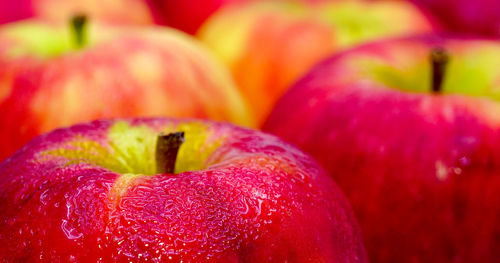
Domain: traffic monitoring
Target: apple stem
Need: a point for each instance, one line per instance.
(439, 58)
(167, 147)
(78, 23)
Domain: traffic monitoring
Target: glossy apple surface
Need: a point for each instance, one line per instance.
(134, 12)
(470, 17)
(92, 193)
(269, 45)
(421, 169)
(48, 81)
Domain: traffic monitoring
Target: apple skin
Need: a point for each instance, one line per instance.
(189, 15)
(421, 170)
(17, 10)
(90, 193)
(269, 45)
(186, 15)
(122, 72)
(466, 17)
(135, 12)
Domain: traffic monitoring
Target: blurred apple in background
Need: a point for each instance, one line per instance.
(189, 15)
(410, 130)
(132, 191)
(469, 17)
(186, 15)
(269, 45)
(112, 11)
(56, 75)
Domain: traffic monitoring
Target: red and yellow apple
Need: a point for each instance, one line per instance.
(53, 76)
(269, 45)
(124, 191)
(471, 17)
(189, 15)
(135, 12)
(413, 139)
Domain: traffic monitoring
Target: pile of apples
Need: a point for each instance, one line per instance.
(250, 131)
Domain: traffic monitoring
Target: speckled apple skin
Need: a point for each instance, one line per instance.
(256, 199)
(123, 72)
(421, 171)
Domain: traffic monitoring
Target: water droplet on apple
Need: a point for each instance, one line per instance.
(43, 197)
(70, 232)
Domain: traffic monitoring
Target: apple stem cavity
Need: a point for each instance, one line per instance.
(78, 23)
(167, 147)
(439, 59)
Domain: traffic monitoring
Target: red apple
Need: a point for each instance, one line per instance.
(471, 17)
(112, 11)
(123, 191)
(53, 76)
(416, 150)
(270, 45)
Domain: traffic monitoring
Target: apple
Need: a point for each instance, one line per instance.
(55, 75)
(470, 17)
(186, 15)
(167, 190)
(410, 130)
(269, 45)
(135, 12)
(189, 15)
